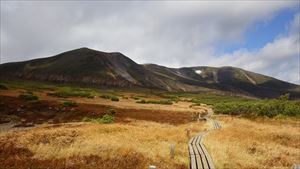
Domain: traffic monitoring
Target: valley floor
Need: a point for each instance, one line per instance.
(244, 143)
(140, 136)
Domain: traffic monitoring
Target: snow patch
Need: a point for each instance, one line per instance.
(198, 71)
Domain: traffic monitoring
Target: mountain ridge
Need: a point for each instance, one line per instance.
(86, 66)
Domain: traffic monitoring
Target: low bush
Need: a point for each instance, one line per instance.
(104, 96)
(106, 119)
(111, 97)
(269, 108)
(3, 87)
(71, 92)
(70, 104)
(114, 98)
(111, 112)
(28, 97)
(136, 98)
(165, 102)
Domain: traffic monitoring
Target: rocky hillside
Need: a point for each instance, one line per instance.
(94, 68)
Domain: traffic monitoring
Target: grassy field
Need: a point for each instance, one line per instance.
(244, 143)
(136, 144)
(78, 127)
(280, 107)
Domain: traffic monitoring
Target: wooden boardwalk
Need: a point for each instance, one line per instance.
(199, 157)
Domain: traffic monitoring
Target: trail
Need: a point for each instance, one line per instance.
(199, 157)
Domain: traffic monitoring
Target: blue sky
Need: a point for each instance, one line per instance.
(263, 32)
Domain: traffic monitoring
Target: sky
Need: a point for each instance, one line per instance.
(259, 36)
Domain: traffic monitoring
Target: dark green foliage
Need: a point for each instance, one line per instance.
(3, 87)
(111, 112)
(269, 108)
(106, 119)
(104, 96)
(232, 105)
(28, 97)
(111, 97)
(114, 98)
(66, 92)
(165, 102)
(28, 85)
(70, 104)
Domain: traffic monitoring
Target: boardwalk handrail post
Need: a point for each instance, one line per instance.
(152, 167)
(188, 133)
(172, 151)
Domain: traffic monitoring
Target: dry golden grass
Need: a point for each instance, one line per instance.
(123, 103)
(147, 142)
(243, 143)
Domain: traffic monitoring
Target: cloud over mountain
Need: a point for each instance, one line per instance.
(168, 33)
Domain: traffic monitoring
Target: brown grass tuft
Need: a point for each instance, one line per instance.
(136, 144)
(243, 143)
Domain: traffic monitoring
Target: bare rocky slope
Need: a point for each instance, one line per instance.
(89, 67)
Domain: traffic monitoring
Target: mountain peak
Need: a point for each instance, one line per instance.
(91, 67)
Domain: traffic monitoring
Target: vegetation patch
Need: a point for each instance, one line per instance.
(165, 102)
(111, 112)
(28, 96)
(3, 87)
(280, 107)
(70, 104)
(66, 92)
(135, 98)
(111, 97)
(106, 119)
(269, 108)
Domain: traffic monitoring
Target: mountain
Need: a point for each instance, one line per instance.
(94, 68)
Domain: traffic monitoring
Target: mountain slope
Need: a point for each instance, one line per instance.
(94, 68)
(82, 65)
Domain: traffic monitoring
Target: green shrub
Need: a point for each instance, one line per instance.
(165, 102)
(70, 104)
(111, 111)
(3, 87)
(87, 119)
(28, 97)
(105, 96)
(106, 119)
(111, 97)
(268, 108)
(114, 98)
(66, 92)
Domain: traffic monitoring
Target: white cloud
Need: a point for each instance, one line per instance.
(279, 58)
(168, 33)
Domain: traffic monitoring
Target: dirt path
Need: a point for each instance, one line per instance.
(199, 156)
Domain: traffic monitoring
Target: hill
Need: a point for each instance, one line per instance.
(89, 67)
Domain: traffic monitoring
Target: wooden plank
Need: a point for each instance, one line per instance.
(191, 140)
(202, 154)
(208, 157)
(198, 156)
(191, 152)
(193, 164)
